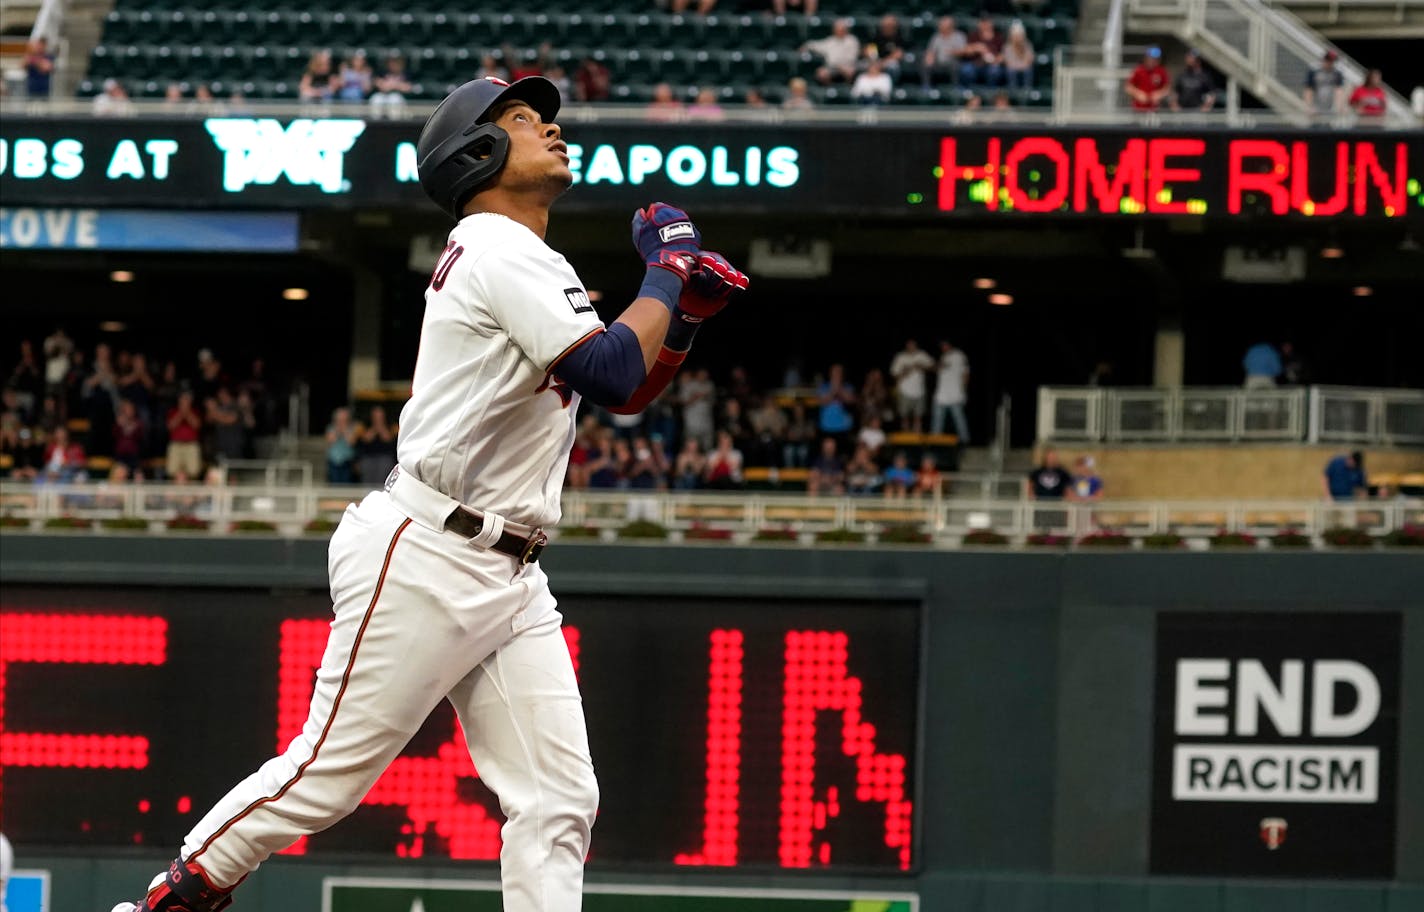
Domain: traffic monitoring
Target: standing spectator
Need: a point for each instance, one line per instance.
(983, 58)
(231, 426)
(1293, 370)
(909, 368)
(26, 379)
(64, 459)
(210, 375)
(769, 425)
(184, 459)
(873, 86)
(1368, 101)
(875, 398)
(647, 470)
(1149, 83)
(862, 474)
(886, 44)
(264, 408)
(592, 81)
(129, 437)
(353, 82)
(1324, 91)
(798, 97)
(1262, 364)
(942, 55)
(724, 465)
(695, 392)
(836, 397)
(690, 466)
(165, 399)
(796, 451)
(341, 448)
(57, 347)
(1193, 89)
(899, 477)
(137, 386)
(100, 392)
(1018, 57)
(1049, 481)
(318, 83)
(392, 86)
(39, 68)
(113, 101)
(73, 398)
(735, 423)
(838, 52)
(951, 392)
(1345, 476)
(376, 448)
(603, 468)
(1087, 485)
(927, 478)
(706, 108)
(665, 106)
(827, 475)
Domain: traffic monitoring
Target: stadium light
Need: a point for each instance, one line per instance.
(1332, 252)
(295, 294)
(1363, 291)
(112, 326)
(985, 284)
(1001, 299)
(121, 275)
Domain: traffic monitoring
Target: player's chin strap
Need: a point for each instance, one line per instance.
(185, 889)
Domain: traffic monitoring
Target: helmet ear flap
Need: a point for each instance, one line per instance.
(474, 164)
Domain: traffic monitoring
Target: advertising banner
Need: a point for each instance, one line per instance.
(139, 229)
(1275, 747)
(930, 172)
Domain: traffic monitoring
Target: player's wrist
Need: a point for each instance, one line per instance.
(663, 283)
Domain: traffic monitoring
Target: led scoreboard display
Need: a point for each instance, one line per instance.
(985, 171)
(760, 733)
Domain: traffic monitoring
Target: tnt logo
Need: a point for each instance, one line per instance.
(306, 151)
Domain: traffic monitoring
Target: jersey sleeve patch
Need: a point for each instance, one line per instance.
(578, 300)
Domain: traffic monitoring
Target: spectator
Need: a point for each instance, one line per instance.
(64, 459)
(927, 478)
(871, 436)
(861, 473)
(490, 68)
(39, 68)
(798, 96)
(755, 99)
(341, 448)
(17, 439)
(873, 86)
(1368, 101)
(1087, 486)
(318, 83)
(113, 101)
(529, 63)
(73, 399)
(353, 82)
(57, 347)
(603, 469)
(26, 379)
(690, 466)
(646, 469)
(909, 368)
(263, 406)
(1324, 91)
(173, 95)
(695, 392)
(838, 51)
(100, 393)
(983, 58)
(1149, 83)
(899, 477)
(706, 108)
(392, 86)
(1193, 89)
(1049, 481)
(734, 423)
(184, 459)
(886, 44)
(560, 78)
(782, 7)
(231, 425)
(137, 386)
(665, 107)
(1293, 370)
(210, 375)
(1002, 101)
(942, 55)
(836, 397)
(376, 448)
(203, 98)
(875, 398)
(1262, 364)
(579, 454)
(1345, 475)
(724, 464)
(1101, 374)
(769, 425)
(827, 475)
(1018, 57)
(703, 6)
(592, 81)
(796, 451)
(951, 392)
(129, 437)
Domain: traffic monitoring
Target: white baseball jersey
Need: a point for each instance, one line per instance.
(485, 423)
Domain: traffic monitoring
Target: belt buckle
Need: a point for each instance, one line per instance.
(534, 548)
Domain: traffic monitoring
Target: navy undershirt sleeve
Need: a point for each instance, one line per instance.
(606, 368)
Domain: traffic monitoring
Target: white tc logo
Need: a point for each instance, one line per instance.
(307, 151)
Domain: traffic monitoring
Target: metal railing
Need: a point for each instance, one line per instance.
(1317, 414)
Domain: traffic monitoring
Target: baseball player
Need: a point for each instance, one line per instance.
(435, 580)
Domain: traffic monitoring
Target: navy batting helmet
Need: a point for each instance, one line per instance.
(458, 150)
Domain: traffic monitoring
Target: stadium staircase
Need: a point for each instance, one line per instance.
(262, 51)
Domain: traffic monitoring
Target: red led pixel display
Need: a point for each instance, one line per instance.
(726, 734)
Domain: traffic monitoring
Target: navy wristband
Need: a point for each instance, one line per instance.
(680, 332)
(662, 284)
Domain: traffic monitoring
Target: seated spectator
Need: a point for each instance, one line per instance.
(1149, 84)
(354, 79)
(1002, 101)
(665, 107)
(706, 107)
(173, 95)
(724, 464)
(796, 451)
(886, 44)
(391, 86)
(871, 436)
(1324, 91)
(113, 101)
(592, 81)
(927, 478)
(838, 51)
(703, 6)
(39, 68)
(862, 474)
(203, 97)
(942, 55)
(129, 436)
(1262, 365)
(64, 459)
(490, 67)
(18, 439)
(341, 448)
(647, 468)
(318, 83)
(1087, 486)
(1368, 101)
(184, 459)
(376, 448)
(1345, 476)
(754, 99)
(1193, 89)
(1018, 58)
(797, 97)
(1049, 481)
(690, 466)
(873, 86)
(827, 475)
(983, 58)
(899, 478)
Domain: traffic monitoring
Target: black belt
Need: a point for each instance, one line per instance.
(527, 550)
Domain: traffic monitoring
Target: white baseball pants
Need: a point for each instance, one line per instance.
(423, 615)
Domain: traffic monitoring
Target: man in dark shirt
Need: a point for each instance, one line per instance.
(1344, 475)
(1049, 481)
(1193, 89)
